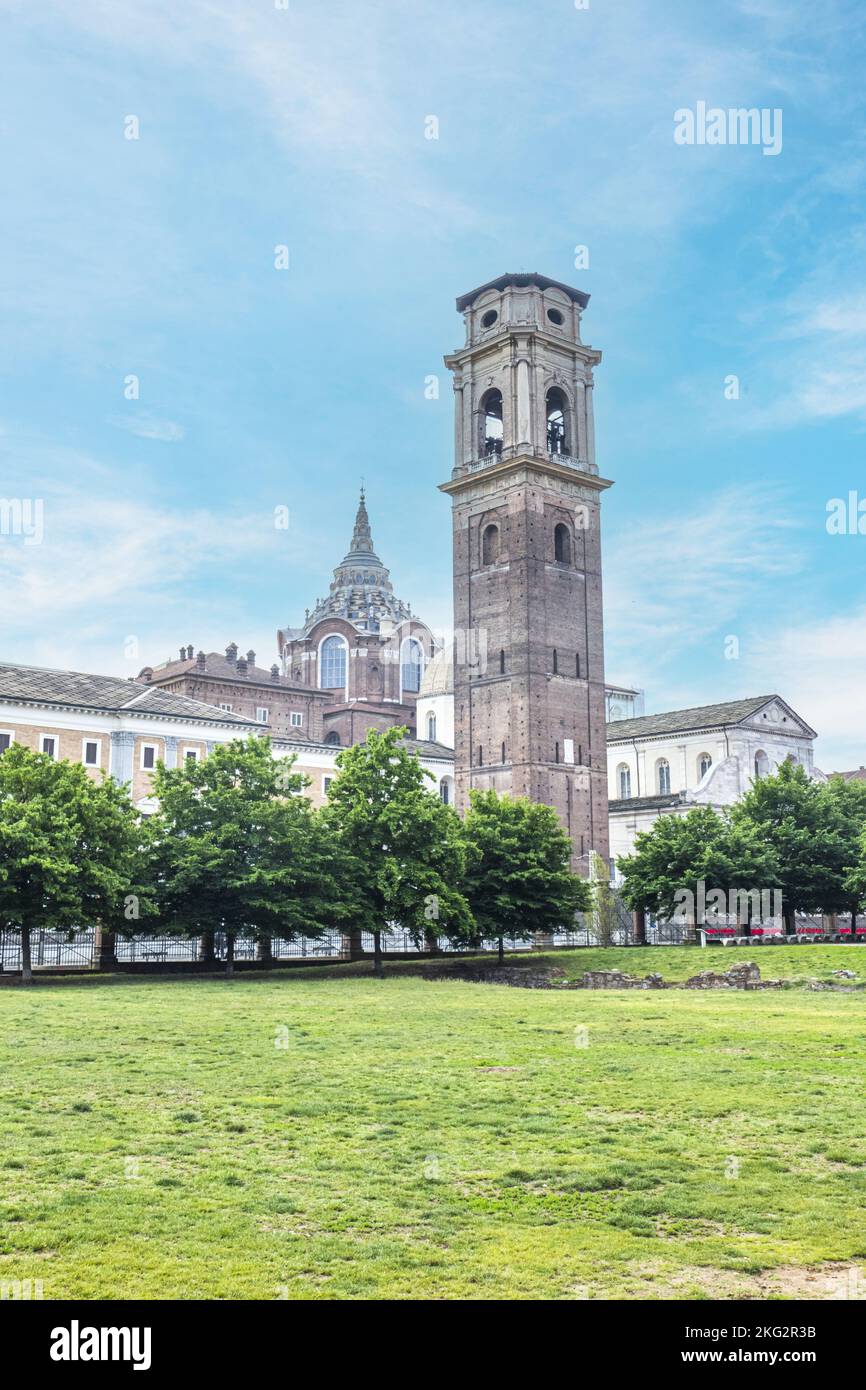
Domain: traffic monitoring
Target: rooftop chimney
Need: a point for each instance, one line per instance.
(275, 672)
(201, 661)
(183, 653)
(242, 665)
(232, 651)
(251, 658)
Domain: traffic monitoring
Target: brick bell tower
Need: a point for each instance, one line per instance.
(525, 491)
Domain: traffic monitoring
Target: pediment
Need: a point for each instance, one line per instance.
(777, 717)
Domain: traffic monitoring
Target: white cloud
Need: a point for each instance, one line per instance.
(672, 580)
(147, 426)
(819, 666)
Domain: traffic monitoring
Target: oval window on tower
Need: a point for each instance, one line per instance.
(488, 319)
(555, 317)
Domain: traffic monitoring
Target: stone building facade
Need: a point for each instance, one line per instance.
(361, 645)
(108, 724)
(529, 713)
(123, 728)
(232, 682)
(666, 764)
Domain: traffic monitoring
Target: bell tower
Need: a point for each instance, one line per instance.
(525, 490)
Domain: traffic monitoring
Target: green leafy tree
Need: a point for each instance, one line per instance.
(604, 901)
(680, 852)
(796, 819)
(518, 879)
(406, 846)
(69, 849)
(847, 807)
(236, 848)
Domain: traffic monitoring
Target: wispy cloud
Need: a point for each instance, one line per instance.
(147, 426)
(675, 579)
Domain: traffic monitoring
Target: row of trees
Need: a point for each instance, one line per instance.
(805, 839)
(236, 848)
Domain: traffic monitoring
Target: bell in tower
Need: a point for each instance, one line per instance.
(525, 491)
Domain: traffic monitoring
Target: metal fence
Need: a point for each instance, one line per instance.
(75, 950)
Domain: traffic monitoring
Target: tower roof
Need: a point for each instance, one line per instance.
(521, 279)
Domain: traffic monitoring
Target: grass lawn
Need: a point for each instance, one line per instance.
(418, 1139)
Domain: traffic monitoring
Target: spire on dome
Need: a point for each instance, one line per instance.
(362, 538)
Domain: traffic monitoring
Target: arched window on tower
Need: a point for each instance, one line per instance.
(412, 664)
(332, 737)
(491, 422)
(490, 545)
(663, 776)
(332, 663)
(705, 762)
(562, 544)
(431, 728)
(762, 764)
(623, 776)
(557, 410)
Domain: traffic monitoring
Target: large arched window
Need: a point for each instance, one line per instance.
(705, 762)
(491, 422)
(411, 664)
(332, 737)
(663, 776)
(762, 764)
(332, 663)
(623, 777)
(562, 544)
(557, 412)
(490, 545)
(445, 790)
(431, 728)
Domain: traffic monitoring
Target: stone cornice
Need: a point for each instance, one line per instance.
(531, 463)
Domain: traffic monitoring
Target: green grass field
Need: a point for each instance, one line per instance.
(419, 1139)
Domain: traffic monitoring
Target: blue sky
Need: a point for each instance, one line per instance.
(260, 388)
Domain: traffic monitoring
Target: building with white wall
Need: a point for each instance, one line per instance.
(663, 764)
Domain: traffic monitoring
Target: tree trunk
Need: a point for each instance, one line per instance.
(206, 947)
(501, 950)
(26, 965)
(377, 953)
(790, 921)
(638, 918)
(230, 953)
(265, 949)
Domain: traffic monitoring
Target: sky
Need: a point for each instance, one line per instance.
(168, 386)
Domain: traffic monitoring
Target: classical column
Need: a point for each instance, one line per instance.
(122, 746)
(590, 426)
(580, 413)
(524, 427)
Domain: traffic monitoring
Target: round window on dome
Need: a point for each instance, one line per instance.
(488, 319)
(555, 317)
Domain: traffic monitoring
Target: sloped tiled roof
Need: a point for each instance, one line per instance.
(77, 689)
(221, 668)
(425, 749)
(646, 803)
(681, 720)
